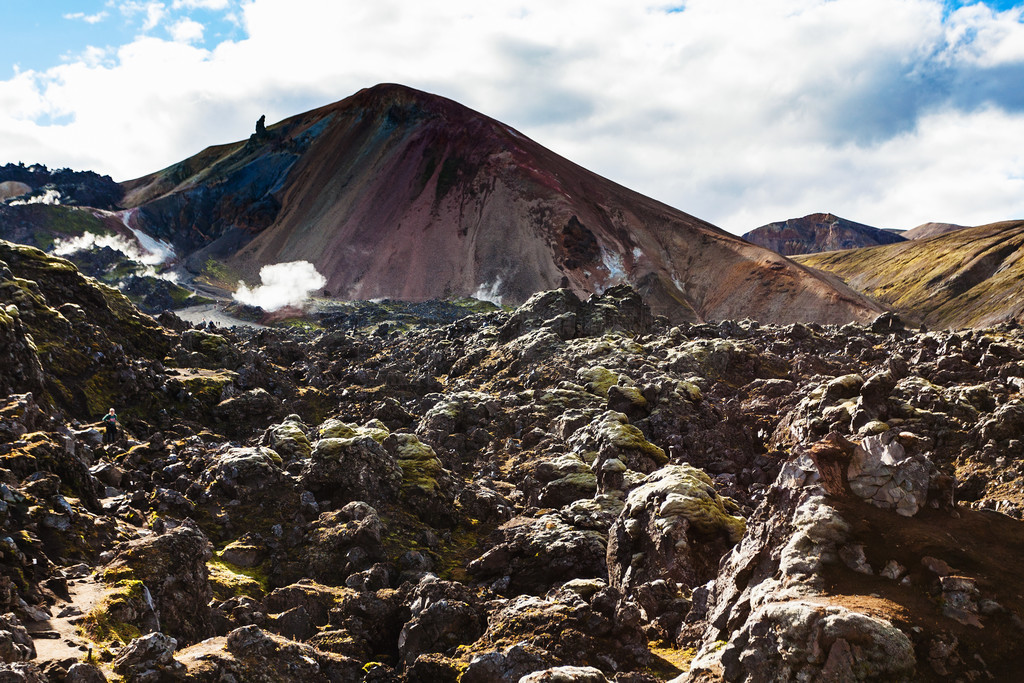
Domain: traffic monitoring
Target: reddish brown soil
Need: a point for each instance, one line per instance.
(984, 546)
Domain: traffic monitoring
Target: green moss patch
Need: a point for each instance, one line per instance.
(420, 465)
(229, 580)
(110, 620)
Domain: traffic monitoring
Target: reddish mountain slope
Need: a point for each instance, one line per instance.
(818, 232)
(397, 193)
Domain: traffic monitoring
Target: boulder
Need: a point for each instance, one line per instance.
(538, 553)
(352, 468)
(15, 643)
(22, 672)
(236, 413)
(250, 654)
(315, 599)
(674, 526)
(881, 473)
(289, 439)
(442, 617)
(343, 542)
(566, 674)
(172, 566)
(574, 625)
(154, 651)
(802, 640)
(243, 472)
(83, 672)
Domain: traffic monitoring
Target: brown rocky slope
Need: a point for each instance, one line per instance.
(970, 277)
(396, 193)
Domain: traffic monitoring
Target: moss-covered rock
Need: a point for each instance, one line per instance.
(337, 429)
(617, 438)
(85, 365)
(242, 472)
(352, 468)
(420, 465)
(289, 438)
(173, 568)
(121, 615)
(597, 379)
(674, 525)
(216, 348)
(229, 580)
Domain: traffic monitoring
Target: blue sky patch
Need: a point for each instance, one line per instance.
(40, 35)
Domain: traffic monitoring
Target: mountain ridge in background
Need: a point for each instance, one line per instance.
(818, 232)
(931, 229)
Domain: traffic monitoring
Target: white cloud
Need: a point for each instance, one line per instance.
(283, 284)
(153, 12)
(186, 31)
(737, 111)
(215, 5)
(87, 18)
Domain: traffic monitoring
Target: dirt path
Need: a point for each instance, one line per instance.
(57, 637)
(212, 313)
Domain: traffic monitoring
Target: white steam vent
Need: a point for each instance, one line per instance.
(489, 292)
(284, 284)
(153, 252)
(51, 197)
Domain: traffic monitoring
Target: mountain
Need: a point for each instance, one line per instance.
(818, 232)
(967, 278)
(397, 193)
(930, 230)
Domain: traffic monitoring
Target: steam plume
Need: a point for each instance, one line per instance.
(284, 284)
(51, 197)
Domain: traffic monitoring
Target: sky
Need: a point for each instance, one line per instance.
(741, 112)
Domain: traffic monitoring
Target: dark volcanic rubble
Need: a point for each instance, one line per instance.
(570, 491)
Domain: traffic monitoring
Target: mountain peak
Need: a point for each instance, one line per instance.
(398, 193)
(818, 232)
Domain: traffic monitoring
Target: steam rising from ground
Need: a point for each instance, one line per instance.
(284, 284)
(153, 253)
(88, 240)
(51, 197)
(489, 292)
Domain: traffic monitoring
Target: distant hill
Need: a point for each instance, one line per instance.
(818, 232)
(80, 188)
(397, 193)
(930, 230)
(970, 277)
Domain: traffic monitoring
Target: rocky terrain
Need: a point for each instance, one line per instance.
(567, 491)
(819, 232)
(84, 188)
(969, 277)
